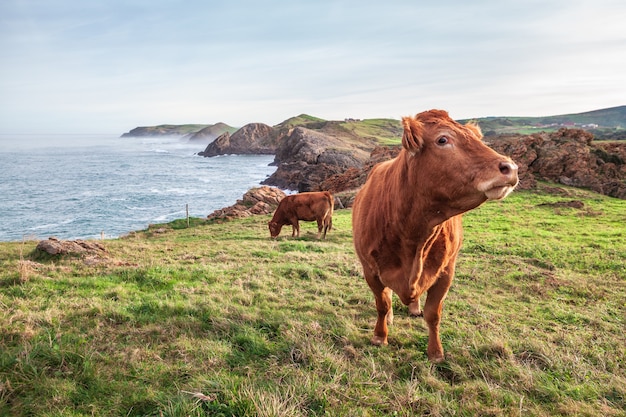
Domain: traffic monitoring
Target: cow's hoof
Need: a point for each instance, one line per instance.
(436, 358)
(379, 341)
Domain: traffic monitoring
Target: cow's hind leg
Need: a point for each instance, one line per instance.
(320, 228)
(326, 224)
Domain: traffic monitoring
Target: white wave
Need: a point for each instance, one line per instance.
(53, 225)
(170, 216)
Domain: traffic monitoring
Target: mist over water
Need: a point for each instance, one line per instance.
(79, 186)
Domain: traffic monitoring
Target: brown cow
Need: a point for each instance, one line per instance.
(304, 206)
(406, 219)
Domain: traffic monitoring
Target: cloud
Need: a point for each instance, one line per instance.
(108, 66)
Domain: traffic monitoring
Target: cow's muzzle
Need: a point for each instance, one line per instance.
(502, 185)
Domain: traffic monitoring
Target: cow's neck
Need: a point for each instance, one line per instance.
(422, 211)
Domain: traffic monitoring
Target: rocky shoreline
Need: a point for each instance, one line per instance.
(310, 160)
(317, 155)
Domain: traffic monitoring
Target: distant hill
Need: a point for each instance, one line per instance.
(604, 124)
(379, 131)
(164, 130)
(607, 123)
(211, 132)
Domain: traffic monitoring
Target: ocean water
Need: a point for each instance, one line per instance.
(86, 186)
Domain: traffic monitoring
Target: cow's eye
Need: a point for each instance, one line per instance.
(442, 140)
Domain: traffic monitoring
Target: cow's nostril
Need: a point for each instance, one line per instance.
(505, 168)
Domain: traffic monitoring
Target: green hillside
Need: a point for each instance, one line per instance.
(605, 122)
(165, 130)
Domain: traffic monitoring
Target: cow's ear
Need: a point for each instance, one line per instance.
(475, 129)
(412, 137)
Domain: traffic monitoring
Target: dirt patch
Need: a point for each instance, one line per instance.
(577, 204)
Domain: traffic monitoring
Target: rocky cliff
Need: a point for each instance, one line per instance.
(310, 160)
(253, 138)
(305, 158)
(329, 156)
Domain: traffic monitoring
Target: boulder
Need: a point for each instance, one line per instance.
(54, 246)
(261, 200)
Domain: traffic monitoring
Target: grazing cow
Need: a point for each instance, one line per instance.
(406, 219)
(304, 206)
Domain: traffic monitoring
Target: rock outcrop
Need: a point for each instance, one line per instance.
(54, 246)
(253, 138)
(312, 161)
(568, 157)
(353, 178)
(261, 200)
(305, 158)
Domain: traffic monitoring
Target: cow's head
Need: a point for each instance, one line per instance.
(452, 164)
(275, 228)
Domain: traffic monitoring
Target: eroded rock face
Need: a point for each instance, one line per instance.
(253, 138)
(305, 158)
(568, 157)
(310, 160)
(262, 200)
(353, 178)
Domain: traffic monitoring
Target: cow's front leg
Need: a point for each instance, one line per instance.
(296, 226)
(385, 316)
(432, 315)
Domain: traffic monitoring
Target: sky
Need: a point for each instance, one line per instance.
(107, 66)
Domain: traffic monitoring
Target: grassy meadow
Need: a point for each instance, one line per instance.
(219, 320)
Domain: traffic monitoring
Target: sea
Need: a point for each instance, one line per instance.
(105, 186)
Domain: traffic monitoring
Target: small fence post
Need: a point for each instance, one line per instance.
(187, 210)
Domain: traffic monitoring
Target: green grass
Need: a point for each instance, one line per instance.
(218, 319)
(382, 131)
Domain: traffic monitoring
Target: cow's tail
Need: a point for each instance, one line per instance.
(331, 201)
